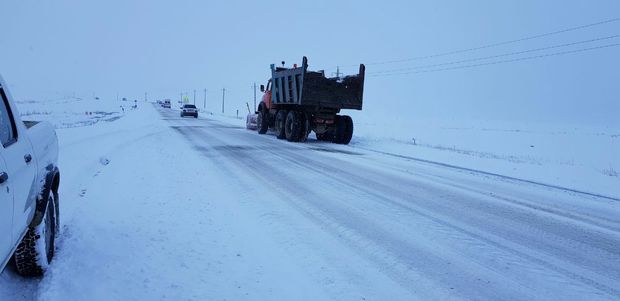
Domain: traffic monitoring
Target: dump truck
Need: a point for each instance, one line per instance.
(298, 101)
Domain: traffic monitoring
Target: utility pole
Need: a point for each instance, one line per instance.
(194, 96)
(145, 98)
(223, 94)
(205, 101)
(254, 95)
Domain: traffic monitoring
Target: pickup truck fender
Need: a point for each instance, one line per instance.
(52, 182)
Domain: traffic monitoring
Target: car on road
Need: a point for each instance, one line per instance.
(189, 110)
(29, 180)
(166, 104)
(250, 122)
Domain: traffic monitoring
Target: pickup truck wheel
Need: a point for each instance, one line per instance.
(280, 124)
(36, 249)
(262, 123)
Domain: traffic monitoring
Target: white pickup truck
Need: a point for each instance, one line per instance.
(29, 179)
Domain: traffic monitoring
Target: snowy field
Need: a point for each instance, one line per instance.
(156, 207)
(578, 157)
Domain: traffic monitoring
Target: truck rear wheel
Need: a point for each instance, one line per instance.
(344, 129)
(305, 127)
(292, 127)
(36, 250)
(281, 124)
(262, 122)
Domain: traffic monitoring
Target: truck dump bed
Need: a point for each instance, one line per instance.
(298, 86)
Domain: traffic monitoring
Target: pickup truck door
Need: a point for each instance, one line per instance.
(6, 193)
(20, 166)
(6, 212)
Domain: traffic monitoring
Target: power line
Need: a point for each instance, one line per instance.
(502, 61)
(494, 44)
(496, 56)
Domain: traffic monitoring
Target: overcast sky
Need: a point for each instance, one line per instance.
(51, 49)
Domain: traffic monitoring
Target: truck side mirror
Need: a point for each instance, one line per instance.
(262, 88)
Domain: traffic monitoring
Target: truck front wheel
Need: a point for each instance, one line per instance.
(36, 250)
(262, 122)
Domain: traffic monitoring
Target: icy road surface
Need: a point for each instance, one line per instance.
(374, 227)
(196, 209)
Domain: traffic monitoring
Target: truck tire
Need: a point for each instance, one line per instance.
(36, 250)
(292, 127)
(339, 128)
(348, 132)
(344, 130)
(305, 128)
(262, 122)
(281, 124)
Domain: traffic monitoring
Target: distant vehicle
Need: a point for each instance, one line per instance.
(166, 104)
(250, 122)
(29, 179)
(189, 110)
(298, 101)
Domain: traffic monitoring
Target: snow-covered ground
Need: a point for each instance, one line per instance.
(156, 207)
(73, 112)
(583, 158)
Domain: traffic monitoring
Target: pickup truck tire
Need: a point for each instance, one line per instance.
(280, 124)
(36, 250)
(262, 122)
(293, 126)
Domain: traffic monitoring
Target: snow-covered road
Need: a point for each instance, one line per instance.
(198, 209)
(371, 226)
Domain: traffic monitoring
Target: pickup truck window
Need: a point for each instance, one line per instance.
(8, 130)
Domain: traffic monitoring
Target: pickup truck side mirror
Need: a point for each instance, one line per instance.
(262, 88)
